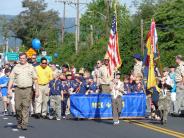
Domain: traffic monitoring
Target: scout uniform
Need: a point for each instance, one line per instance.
(92, 86)
(165, 99)
(23, 76)
(117, 88)
(138, 67)
(55, 86)
(105, 79)
(179, 87)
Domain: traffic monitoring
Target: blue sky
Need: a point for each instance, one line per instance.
(14, 7)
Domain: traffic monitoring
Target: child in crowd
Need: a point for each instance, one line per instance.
(132, 82)
(138, 86)
(55, 86)
(92, 86)
(126, 80)
(67, 89)
(172, 75)
(4, 90)
(165, 85)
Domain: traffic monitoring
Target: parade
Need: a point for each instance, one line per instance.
(105, 75)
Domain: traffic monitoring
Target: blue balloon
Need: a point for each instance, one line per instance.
(36, 44)
(55, 55)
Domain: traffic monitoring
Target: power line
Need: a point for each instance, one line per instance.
(77, 4)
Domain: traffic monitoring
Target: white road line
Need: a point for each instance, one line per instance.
(10, 123)
(5, 118)
(15, 130)
(22, 137)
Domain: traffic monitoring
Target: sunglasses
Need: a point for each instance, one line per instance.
(44, 63)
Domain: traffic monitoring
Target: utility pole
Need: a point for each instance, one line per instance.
(107, 3)
(142, 36)
(76, 38)
(63, 25)
(77, 27)
(91, 35)
(6, 49)
(77, 22)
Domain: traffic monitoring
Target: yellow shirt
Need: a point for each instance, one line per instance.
(44, 75)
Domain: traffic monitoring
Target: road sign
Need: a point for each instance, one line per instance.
(30, 52)
(49, 58)
(12, 56)
(44, 53)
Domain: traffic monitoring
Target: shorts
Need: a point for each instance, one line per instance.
(5, 99)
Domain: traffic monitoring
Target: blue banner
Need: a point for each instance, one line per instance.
(100, 106)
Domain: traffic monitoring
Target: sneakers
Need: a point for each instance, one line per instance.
(58, 118)
(24, 127)
(116, 122)
(5, 113)
(19, 126)
(37, 116)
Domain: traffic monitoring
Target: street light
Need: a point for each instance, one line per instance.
(91, 26)
(105, 17)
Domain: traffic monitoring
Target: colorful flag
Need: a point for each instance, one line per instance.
(113, 48)
(151, 45)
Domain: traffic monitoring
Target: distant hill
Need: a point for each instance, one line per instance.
(69, 27)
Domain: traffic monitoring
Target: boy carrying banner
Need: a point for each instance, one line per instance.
(117, 88)
(55, 86)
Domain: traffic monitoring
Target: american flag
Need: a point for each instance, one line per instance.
(113, 48)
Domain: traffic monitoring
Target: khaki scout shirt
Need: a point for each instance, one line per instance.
(180, 72)
(117, 88)
(104, 76)
(96, 76)
(138, 68)
(23, 75)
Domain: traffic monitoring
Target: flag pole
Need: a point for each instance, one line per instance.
(115, 11)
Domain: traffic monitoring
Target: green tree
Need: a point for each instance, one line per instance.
(170, 21)
(36, 22)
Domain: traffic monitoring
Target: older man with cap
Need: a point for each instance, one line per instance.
(138, 65)
(105, 77)
(179, 84)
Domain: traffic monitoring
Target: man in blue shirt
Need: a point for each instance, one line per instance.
(4, 90)
(55, 86)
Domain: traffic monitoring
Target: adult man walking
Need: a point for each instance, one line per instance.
(96, 75)
(33, 60)
(138, 65)
(179, 84)
(23, 75)
(45, 75)
(105, 77)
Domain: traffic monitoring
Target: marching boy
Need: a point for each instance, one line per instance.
(117, 88)
(55, 86)
(166, 85)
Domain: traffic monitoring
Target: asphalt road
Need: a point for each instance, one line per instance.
(92, 129)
